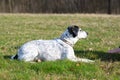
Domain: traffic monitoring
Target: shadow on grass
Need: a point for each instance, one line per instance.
(7, 56)
(103, 56)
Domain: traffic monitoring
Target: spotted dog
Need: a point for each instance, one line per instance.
(51, 50)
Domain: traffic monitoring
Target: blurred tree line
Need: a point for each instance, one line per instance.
(60, 6)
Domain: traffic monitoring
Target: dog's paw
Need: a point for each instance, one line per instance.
(83, 60)
(90, 61)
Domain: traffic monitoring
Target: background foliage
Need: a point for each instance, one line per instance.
(60, 6)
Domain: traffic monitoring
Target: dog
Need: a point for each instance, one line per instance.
(51, 50)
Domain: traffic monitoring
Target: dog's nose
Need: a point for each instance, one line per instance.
(87, 33)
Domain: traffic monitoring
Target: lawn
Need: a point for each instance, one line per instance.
(104, 34)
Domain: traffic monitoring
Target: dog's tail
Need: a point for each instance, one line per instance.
(14, 57)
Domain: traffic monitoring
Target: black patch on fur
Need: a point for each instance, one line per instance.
(15, 57)
(73, 30)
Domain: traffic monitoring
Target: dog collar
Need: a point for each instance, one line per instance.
(67, 42)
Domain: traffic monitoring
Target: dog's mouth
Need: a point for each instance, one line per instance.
(83, 34)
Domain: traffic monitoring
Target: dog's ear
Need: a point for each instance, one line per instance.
(73, 30)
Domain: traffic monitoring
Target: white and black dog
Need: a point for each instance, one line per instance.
(51, 50)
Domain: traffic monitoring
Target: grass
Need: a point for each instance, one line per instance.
(104, 30)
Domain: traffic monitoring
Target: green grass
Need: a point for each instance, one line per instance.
(104, 34)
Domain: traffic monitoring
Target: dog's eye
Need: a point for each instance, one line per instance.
(80, 30)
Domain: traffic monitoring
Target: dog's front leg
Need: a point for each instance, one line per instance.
(72, 57)
(76, 59)
(82, 60)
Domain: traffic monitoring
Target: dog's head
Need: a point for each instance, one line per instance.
(73, 34)
(75, 31)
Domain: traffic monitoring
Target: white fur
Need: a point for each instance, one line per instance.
(51, 50)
